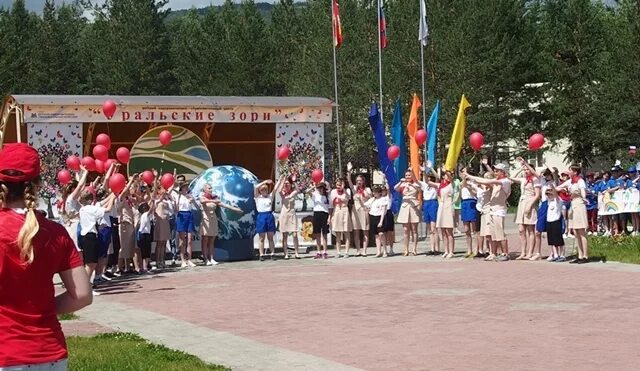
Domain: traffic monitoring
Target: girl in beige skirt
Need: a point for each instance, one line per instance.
(288, 220)
(578, 214)
(340, 218)
(445, 219)
(409, 215)
(527, 214)
(360, 212)
(127, 201)
(162, 230)
(209, 225)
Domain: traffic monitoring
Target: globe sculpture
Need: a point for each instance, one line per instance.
(234, 186)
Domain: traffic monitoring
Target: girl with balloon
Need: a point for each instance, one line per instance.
(288, 220)
(430, 208)
(70, 206)
(360, 212)
(162, 212)
(265, 221)
(340, 217)
(320, 195)
(527, 213)
(578, 222)
(409, 215)
(445, 217)
(128, 202)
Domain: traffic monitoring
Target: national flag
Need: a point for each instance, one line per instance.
(383, 28)
(399, 139)
(432, 132)
(337, 25)
(412, 128)
(423, 32)
(457, 137)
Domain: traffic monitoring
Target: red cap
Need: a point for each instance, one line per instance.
(19, 162)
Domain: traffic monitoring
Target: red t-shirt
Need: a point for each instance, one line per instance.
(29, 329)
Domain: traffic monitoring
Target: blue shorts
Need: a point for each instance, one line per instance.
(468, 211)
(430, 211)
(566, 205)
(541, 223)
(265, 222)
(184, 222)
(104, 239)
(78, 233)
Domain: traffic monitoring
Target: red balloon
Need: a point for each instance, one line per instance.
(104, 140)
(166, 181)
(421, 137)
(123, 155)
(108, 163)
(283, 153)
(64, 177)
(536, 141)
(101, 152)
(317, 175)
(148, 177)
(109, 108)
(476, 140)
(165, 137)
(117, 182)
(393, 152)
(73, 162)
(100, 166)
(89, 163)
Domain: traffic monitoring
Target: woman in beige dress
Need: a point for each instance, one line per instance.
(288, 220)
(360, 212)
(578, 221)
(409, 215)
(340, 218)
(527, 213)
(162, 229)
(445, 219)
(127, 202)
(209, 225)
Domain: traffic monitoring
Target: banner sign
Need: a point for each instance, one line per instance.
(177, 114)
(619, 202)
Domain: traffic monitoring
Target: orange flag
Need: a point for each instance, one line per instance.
(412, 128)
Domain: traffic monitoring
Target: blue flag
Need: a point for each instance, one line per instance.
(398, 136)
(432, 131)
(385, 165)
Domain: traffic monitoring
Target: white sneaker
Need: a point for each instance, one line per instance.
(95, 293)
(191, 264)
(607, 234)
(105, 278)
(208, 263)
(213, 262)
(183, 265)
(550, 258)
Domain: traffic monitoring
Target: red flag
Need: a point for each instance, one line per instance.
(383, 28)
(337, 26)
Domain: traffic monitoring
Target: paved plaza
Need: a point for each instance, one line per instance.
(401, 313)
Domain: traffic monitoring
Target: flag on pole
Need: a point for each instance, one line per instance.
(381, 145)
(457, 137)
(423, 33)
(432, 132)
(337, 25)
(383, 27)
(412, 128)
(399, 139)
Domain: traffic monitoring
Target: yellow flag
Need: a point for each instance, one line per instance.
(457, 137)
(412, 128)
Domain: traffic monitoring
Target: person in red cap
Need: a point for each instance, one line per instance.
(32, 250)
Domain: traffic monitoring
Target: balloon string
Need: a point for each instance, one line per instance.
(471, 160)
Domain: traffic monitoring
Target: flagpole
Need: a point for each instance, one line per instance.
(380, 58)
(335, 88)
(424, 112)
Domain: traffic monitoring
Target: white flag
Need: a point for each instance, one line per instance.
(424, 30)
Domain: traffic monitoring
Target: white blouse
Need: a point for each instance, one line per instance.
(263, 204)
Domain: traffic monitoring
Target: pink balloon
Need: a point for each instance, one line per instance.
(536, 141)
(73, 162)
(167, 180)
(476, 140)
(283, 153)
(421, 137)
(104, 140)
(109, 108)
(101, 152)
(89, 163)
(393, 152)
(123, 155)
(108, 163)
(100, 166)
(317, 175)
(117, 182)
(148, 177)
(64, 176)
(165, 137)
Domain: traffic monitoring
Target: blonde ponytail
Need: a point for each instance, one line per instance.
(30, 227)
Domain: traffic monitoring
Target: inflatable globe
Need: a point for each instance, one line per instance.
(234, 186)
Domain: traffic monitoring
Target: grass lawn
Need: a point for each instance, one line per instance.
(67, 317)
(622, 249)
(124, 351)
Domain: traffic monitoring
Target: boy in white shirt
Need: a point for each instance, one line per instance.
(378, 206)
(144, 235)
(554, 226)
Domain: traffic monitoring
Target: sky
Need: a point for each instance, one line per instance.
(37, 5)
